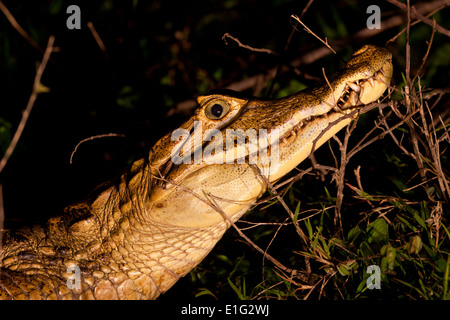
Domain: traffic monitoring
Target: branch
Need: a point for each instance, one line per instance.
(413, 11)
(240, 44)
(32, 99)
(92, 138)
(309, 31)
(17, 26)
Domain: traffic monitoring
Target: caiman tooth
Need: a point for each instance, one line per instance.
(354, 86)
(371, 82)
(381, 71)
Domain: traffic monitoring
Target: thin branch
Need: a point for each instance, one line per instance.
(92, 138)
(426, 53)
(214, 204)
(413, 24)
(30, 104)
(240, 44)
(413, 11)
(313, 55)
(285, 50)
(18, 28)
(97, 38)
(283, 203)
(309, 31)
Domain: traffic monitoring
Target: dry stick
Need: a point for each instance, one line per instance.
(380, 136)
(309, 31)
(425, 57)
(240, 44)
(416, 22)
(393, 137)
(30, 104)
(286, 47)
(376, 126)
(408, 87)
(210, 201)
(445, 181)
(267, 249)
(92, 138)
(19, 29)
(434, 149)
(308, 57)
(330, 125)
(341, 172)
(283, 203)
(213, 204)
(413, 11)
(97, 38)
(340, 177)
(312, 158)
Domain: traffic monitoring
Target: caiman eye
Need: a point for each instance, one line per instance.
(216, 110)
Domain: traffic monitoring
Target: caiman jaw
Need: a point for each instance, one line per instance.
(293, 123)
(355, 94)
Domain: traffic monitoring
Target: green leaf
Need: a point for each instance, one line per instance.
(205, 291)
(378, 230)
(354, 233)
(236, 289)
(365, 249)
(309, 228)
(297, 210)
(420, 220)
(347, 267)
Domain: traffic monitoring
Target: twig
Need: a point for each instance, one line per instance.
(97, 38)
(30, 104)
(412, 11)
(283, 203)
(214, 204)
(18, 28)
(313, 55)
(240, 44)
(413, 24)
(380, 136)
(285, 50)
(309, 31)
(425, 57)
(92, 138)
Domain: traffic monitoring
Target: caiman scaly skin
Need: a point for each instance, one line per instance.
(134, 239)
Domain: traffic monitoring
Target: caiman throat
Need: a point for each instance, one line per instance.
(134, 239)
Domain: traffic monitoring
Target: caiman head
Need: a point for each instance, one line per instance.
(138, 237)
(222, 151)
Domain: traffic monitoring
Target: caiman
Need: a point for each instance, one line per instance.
(135, 238)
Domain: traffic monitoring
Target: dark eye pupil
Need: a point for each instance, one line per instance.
(216, 110)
